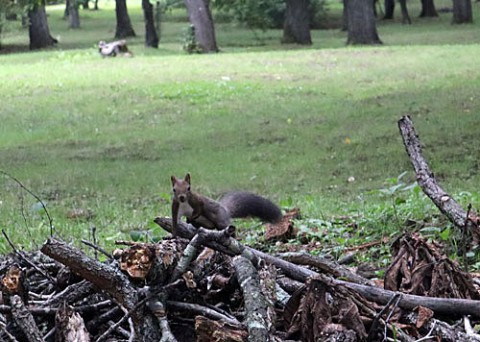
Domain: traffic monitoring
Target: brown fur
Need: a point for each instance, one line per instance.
(202, 211)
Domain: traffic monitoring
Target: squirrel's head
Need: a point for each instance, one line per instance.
(181, 187)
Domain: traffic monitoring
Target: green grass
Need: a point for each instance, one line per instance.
(291, 123)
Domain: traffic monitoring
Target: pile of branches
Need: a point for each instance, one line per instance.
(205, 285)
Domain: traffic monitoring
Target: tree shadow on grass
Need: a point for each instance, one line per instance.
(6, 49)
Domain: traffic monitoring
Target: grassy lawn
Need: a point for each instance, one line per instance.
(291, 123)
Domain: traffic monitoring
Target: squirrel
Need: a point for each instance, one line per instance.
(205, 212)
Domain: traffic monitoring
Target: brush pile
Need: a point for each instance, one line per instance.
(205, 285)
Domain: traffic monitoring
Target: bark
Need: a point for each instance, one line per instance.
(344, 16)
(361, 23)
(73, 15)
(124, 26)
(201, 19)
(462, 12)
(389, 9)
(151, 37)
(71, 294)
(208, 312)
(426, 180)
(24, 319)
(255, 302)
(70, 326)
(209, 330)
(405, 16)
(232, 247)
(108, 279)
(38, 28)
(447, 332)
(428, 9)
(296, 29)
(325, 266)
(67, 9)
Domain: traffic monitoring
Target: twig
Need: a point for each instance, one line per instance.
(429, 335)
(324, 266)
(24, 258)
(125, 317)
(94, 239)
(50, 221)
(136, 307)
(10, 336)
(465, 237)
(97, 248)
(206, 311)
(378, 318)
(396, 299)
(157, 306)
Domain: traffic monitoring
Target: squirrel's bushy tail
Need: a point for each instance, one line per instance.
(244, 204)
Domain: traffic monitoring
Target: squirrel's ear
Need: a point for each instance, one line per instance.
(173, 179)
(187, 178)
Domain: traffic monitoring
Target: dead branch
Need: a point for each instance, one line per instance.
(204, 311)
(194, 245)
(255, 303)
(447, 332)
(426, 179)
(445, 306)
(24, 319)
(107, 278)
(325, 266)
(70, 326)
(21, 254)
(217, 331)
(50, 220)
(380, 296)
(71, 294)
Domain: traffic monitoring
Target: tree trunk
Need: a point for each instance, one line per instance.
(66, 12)
(361, 23)
(151, 38)
(389, 9)
(38, 28)
(201, 19)
(462, 12)
(73, 16)
(428, 9)
(296, 27)
(124, 26)
(405, 16)
(344, 16)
